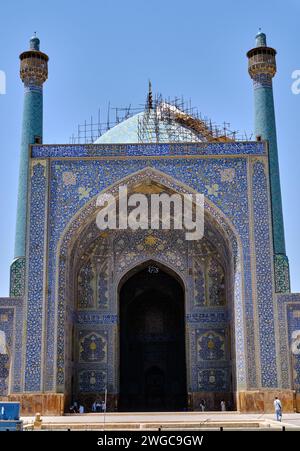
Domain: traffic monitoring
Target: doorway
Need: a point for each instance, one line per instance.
(152, 341)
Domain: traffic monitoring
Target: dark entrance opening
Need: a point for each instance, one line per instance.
(152, 342)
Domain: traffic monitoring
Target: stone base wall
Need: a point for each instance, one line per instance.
(297, 402)
(254, 401)
(43, 403)
(56, 403)
(262, 401)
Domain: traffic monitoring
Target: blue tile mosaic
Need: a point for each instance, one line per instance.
(117, 150)
(34, 319)
(73, 185)
(264, 277)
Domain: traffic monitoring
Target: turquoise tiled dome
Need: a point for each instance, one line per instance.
(127, 132)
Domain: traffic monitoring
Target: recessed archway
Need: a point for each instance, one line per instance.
(152, 340)
(77, 247)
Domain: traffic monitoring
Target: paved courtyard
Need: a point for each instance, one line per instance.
(167, 420)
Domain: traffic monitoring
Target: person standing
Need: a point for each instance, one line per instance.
(98, 406)
(202, 405)
(278, 409)
(223, 406)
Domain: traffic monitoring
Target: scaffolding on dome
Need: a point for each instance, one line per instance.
(176, 121)
(163, 121)
(89, 131)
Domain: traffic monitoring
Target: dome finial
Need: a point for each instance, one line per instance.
(261, 39)
(34, 42)
(150, 97)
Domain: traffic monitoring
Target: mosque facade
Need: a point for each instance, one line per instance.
(144, 318)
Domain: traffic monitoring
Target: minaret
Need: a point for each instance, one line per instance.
(33, 73)
(262, 68)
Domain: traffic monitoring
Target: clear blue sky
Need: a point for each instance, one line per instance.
(103, 51)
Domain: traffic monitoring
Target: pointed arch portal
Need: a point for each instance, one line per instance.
(152, 340)
(158, 340)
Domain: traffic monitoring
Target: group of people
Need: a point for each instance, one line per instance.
(76, 408)
(98, 406)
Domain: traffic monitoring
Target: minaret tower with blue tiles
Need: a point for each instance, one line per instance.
(262, 68)
(33, 73)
